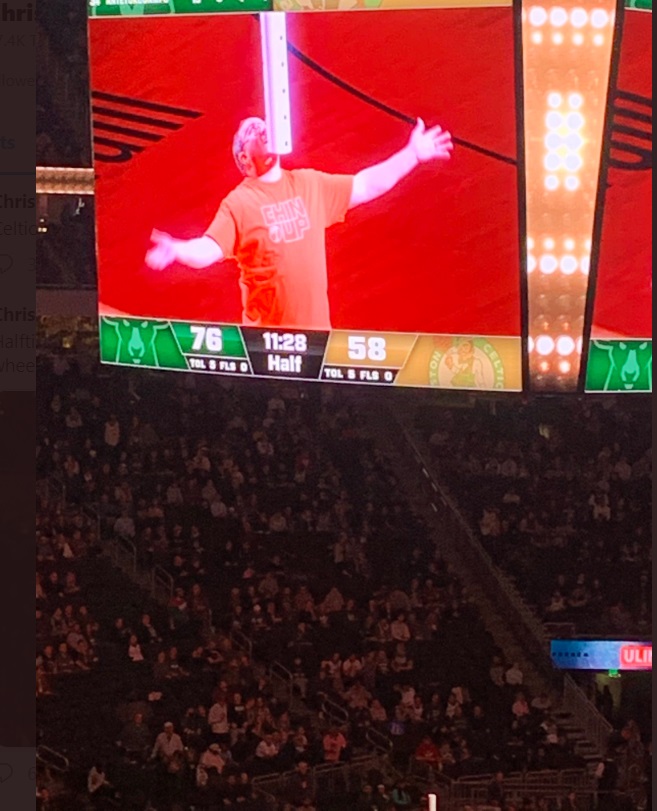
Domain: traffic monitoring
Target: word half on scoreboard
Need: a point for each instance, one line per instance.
(384, 359)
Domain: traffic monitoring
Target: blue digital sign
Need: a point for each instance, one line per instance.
(600, 654)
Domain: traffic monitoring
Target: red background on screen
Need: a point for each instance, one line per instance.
(437, 254)
(623, 303)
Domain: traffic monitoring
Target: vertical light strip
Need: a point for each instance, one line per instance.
(273, 38)
(567, 51)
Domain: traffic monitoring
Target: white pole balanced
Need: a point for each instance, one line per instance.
(273, 38)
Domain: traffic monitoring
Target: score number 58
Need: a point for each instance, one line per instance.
(361, 348)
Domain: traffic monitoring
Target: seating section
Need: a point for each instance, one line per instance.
(561, 497)
(288, 543)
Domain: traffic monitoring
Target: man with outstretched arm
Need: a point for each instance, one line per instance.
(273, 223)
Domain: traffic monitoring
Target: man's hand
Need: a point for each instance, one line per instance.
(163, 252)
(195, 253)
(432, 144)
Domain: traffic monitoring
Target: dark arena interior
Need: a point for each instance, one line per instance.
(284, 594)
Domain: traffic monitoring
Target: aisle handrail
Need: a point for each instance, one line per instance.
(502, 581)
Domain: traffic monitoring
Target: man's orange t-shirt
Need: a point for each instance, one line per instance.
(276, 232)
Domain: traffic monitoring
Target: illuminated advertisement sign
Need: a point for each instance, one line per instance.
(600, 654)
(315, 196)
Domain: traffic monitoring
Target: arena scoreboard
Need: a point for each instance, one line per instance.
(384, 359)
(520, 261)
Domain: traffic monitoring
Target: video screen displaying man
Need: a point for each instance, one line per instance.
(368, 224)
(273, 223)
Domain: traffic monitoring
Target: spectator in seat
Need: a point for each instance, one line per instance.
(267, 751)
(300, 785)
(556, 608)
(212, 759)
(378, 712)
(514, 675)
(218, 720)
(195, 727)
(178, 610)
(357, 696)
(428, 754)
(64, 662)
(199, 608)
(333, 602)
(45, 801)
(146, 632)
(381, 798)
(400, 797)
(176, 671)
(112, 434)
(168, 745)
(520, 707)
(334, 745)
(496, 793)
(351, 668)
(569, 802)
(399, 630)
(365, 801)
(97, 783)
(401, 663)
(135, 653)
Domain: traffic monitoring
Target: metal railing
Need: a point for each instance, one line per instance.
(51, 759)
(560, 630)
(123, 554)
(280, 674)
(472, 790)
(93, 516)
(241, 641)
(334, 712)
(326, 779)
(595, 727)
(379, 741)
(268, 800)
(586, 715)
(161, 585)
(449, 513)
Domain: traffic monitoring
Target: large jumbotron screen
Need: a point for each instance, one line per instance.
(355, 195)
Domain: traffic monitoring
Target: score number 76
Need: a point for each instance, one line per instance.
(209, 338)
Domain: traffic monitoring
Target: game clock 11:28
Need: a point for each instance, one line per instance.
(285, 342)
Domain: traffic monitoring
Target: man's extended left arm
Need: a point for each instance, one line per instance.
(424, 145)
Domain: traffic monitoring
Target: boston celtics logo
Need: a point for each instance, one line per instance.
(466, 363)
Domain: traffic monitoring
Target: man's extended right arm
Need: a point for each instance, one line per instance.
(195, 253)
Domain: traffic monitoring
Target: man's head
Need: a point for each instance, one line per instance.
(250, 150)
